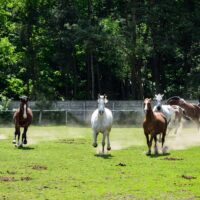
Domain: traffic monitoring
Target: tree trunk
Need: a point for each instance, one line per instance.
(136, 82)
(92, 75)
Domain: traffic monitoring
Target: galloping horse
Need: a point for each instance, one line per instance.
(173, 113)
(154, 123)
(101, 121)
(191, 110)
(22, 118)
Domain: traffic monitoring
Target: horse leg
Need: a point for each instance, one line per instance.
(155, 147)
(147, 138)
(108, 142)
(24, 140)
(103, 141)
(94, 138)
(198, 125)
(163, 141)
(150, 144)
(17, 134)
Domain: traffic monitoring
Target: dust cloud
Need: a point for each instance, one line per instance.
(3, 137)
(186, 138)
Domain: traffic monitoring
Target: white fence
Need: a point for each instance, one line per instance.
(79, 112)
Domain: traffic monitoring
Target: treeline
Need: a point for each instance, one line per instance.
(75, 49)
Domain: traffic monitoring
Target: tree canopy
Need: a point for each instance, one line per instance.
(75, 49)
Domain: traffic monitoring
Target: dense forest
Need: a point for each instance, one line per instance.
(75, 49)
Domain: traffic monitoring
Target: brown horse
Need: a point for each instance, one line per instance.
(191, 110)
(154, 123)
(22, 118)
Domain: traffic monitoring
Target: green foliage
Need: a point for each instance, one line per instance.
(140, 47)
(5, 102)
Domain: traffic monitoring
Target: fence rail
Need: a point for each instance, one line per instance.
(67, 112)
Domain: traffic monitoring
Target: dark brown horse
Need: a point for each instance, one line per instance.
(191, 110)
(154, 123)
(22, 118)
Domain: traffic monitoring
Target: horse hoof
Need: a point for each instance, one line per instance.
(25, 142)
(148, 153)
(108, 148)
(165, 149)
(95, 145)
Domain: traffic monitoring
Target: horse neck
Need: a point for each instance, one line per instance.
(185, 106)
(149, 114)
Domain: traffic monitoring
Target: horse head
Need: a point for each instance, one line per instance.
(159, 97)
(147, 104)
(24, 105)
(102, 100)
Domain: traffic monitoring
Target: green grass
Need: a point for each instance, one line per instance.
(60, 163)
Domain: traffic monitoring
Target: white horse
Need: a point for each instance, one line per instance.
(172, 113)
(101, 122)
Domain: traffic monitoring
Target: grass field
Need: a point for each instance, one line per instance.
(60, 163)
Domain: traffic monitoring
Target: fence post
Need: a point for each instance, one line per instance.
(40, 117)
(113, 108)
(66, 113)
(84, 117)
(66, 119)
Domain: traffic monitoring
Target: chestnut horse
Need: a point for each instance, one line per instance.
(154, 123)
(191, 110)
(22, 118)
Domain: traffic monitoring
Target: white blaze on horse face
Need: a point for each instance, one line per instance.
(101, 104)
(145, 107)
(24, 114)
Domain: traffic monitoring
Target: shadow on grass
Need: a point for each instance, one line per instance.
(104, 156)
(26, 148)
(158, 155)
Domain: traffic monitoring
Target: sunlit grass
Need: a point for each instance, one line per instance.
(60, 163)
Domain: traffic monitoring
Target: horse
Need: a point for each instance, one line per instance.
(199, 102)
(191, 110)
(154, 123)
(22, 118)
(173, 113)
(101, 122)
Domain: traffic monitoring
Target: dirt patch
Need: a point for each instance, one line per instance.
(72, 141)
(11, 172)
(7, 178)
(173, 159)
(121, 164)
(39, 167)
(188, 177)
(119, 196)
(26, 178)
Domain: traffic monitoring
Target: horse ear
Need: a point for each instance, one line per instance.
(106, 100)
